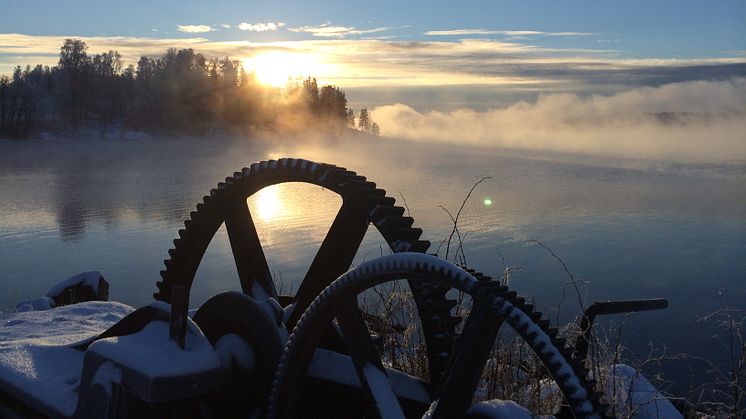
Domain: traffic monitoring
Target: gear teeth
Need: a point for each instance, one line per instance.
(508, 295)
(535, 315)
(408, 234)
(380, 200)
(164, 274)
(172, 252)
(177, 243)
(187, 224)
(200, 208)
(396, 222)
(382, 211)
(229, 181)
(182, 233)
(167, 263)
(420, 246)
(194, 214)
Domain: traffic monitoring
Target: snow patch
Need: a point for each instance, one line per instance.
(37, 304)
(632, 392)
(232, 348)
(500, 409)
(89, 279)
(383, 393)
(37, 355)
(106, 375)
(336, 367)
(151, 352)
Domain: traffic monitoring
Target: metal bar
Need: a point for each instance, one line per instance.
(611, 307)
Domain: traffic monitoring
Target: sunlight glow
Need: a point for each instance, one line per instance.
(268, 203)
(274, 68)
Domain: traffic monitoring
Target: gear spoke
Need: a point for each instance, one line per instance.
(247, 252)
(334, 256)
(370, 370)
(466, 364)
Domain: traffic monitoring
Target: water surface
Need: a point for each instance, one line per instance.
(629, 229)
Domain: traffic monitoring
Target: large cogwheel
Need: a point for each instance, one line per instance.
(382, 387)
(362, 204)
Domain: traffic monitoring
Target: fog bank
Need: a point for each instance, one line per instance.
(695, 121)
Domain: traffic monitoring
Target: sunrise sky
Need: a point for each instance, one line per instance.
(393, 51)
(580, 76)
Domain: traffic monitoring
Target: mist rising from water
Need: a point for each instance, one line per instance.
(693, 121)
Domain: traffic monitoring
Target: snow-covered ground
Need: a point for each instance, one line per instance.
(37, 355)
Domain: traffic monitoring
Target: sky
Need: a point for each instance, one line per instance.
(470, 67)
(385, 46)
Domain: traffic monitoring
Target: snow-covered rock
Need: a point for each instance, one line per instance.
(634, 395)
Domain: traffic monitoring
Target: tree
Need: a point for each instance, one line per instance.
(311, 94)
(350, 118)
(73, 55)
(363, 121)
(375, 129)
(73, 71)
(333, 104)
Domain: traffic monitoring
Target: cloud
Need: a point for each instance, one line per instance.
(328, 31)
(458, 32)
(225, 26)
(453, 32)
(701, 120)
(260, 26)
(568, 34)
(396, 64)
(194, 28)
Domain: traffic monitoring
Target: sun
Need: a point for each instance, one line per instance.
(275, 67)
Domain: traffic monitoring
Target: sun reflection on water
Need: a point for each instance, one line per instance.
(268, 205)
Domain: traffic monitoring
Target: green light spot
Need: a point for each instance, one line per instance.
(488, 202)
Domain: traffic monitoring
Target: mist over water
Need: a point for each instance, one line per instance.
(632, 228)
(689, 121)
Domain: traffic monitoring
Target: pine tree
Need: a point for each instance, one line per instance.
(363, 121)
(350, 118)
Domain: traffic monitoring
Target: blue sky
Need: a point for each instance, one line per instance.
(680, 29)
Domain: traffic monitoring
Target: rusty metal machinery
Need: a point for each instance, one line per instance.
(362, 204)
(318, 353)
(454, 363)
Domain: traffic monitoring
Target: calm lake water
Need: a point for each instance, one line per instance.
(630, 228)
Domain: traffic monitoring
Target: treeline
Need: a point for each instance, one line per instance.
(181, 92)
